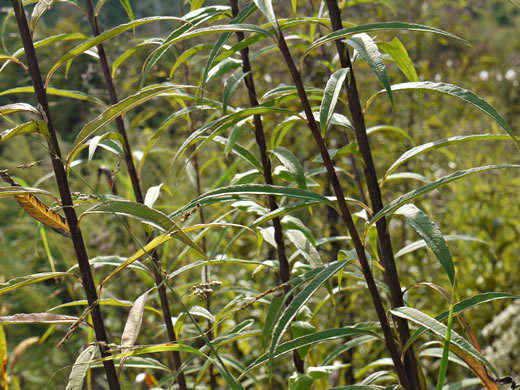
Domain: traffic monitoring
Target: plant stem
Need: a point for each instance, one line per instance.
(158, 278)
(391, 275)
(285, 270)
(345, 214)
(66, 198)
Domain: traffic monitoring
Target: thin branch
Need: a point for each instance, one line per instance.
(134, 179)
(345, 213)
(285, 270)
(391, 275)
(66, 198)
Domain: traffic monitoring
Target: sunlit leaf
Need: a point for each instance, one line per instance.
(396, 203)
(439, 329)
(367, 48)
(399, 54)
(16, 283)
(431, 234)
(37, 318)
(461, 93)
(330, 98)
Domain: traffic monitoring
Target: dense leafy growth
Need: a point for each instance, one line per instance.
(244, 191)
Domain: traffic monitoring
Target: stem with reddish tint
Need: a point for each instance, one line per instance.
(345, 214)
(285, 270)
(391, 275)
(134, 179)
(66, 198)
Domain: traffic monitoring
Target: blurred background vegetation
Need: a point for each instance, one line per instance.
(483, 207)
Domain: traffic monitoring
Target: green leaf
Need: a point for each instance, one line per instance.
(24, 128)
(289, 160)
(300, 329)
(461, 93)
(266, 7)
(275, 308)
(429, 146)
(20, 107)
(13, 284)
(128, 8)
(299, 381)
(81, 48)
(219, 125)
(80, 368)
(251, 189)
(460, 307)
(299, 300)
(116, 110)
(431, 234)
(230, 87)
(330, 98)
(368, 49)
(240, 18)
(192, 19)
(57, 92)
(393, 129)
(449, 237)
(397, 51)
(396, 203)
(339, 34)
(144, 214)
(196, 4)
(39, 9)
(440, 329)
(314, 338)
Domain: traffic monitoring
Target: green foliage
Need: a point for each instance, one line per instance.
(239, 233)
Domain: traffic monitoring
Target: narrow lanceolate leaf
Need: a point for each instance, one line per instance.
(81, 48)
(56, 92)
(24, 128)
(311, 339)
(252, 189)
(429, 146)
(298, 301)
(461, 93)
(240, 18)
(440, 329)
(118, 109)
(343, 33)
(368, 50)
(39, 211)
(36, 209)
(266, 7)
(413, 246)
(80, 368)
(230, 87)
(37, 318)
(132, 326)
(39, 9)
(431, 234)
(16, 283)
(399, 54)
(128, 8)
(147, 215)
(461, 306)
(3, 358)
(19, 107)
(396, 203)
(13, 59)
(155, 349)
(330, 98)
(289, 160)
